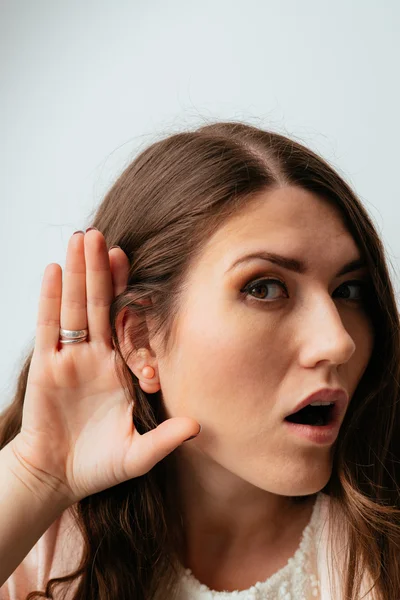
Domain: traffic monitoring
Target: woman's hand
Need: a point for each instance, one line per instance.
(77, 429)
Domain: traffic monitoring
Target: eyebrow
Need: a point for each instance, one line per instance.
(293, 264)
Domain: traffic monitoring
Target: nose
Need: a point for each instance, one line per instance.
(324, 336)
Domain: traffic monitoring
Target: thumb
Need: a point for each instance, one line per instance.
(156, 444)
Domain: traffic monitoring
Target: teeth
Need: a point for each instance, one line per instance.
(321, 404)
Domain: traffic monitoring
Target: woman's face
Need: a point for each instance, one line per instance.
(241, 362)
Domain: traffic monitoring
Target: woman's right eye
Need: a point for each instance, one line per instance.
(261, 288)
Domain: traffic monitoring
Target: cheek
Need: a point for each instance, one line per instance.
(362, 333)
(218, 350)
(364, 338)
(223, 365)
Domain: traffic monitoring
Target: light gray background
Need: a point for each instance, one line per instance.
(87, 84)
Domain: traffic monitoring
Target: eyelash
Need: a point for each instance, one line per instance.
(253, 284)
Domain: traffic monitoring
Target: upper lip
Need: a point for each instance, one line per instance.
(338, 396)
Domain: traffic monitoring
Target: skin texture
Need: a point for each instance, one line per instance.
(241, 363)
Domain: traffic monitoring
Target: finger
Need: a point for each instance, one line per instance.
(73, 300)
(48, 321)
(151, 447)
(99, 287)
(119, 265)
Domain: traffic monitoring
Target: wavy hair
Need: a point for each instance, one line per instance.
(161, 211)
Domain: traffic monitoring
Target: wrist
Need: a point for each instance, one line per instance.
(46, 489)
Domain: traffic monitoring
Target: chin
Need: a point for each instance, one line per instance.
(307, 485)
(305, 479)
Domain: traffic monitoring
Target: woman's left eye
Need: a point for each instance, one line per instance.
(265, 284)
(362, 285)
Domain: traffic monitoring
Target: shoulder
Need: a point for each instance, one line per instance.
(56, 553)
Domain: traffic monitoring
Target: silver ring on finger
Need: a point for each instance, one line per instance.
(73, 336)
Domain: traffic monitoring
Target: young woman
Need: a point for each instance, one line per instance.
(249, 294)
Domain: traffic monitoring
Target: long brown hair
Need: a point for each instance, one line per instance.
(161, 210)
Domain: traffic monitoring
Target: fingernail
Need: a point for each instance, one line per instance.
(115, 247)
(79, 231)
(193, 436)
(90, 228)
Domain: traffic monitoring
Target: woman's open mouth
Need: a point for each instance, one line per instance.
(318, 422)
(313, 414)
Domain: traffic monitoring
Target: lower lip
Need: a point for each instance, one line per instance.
(324, 435)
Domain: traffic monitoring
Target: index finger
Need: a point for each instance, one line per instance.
(119, 265)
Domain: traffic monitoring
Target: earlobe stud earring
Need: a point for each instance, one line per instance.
(148, 372)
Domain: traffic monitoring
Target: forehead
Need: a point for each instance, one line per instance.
(289, 220)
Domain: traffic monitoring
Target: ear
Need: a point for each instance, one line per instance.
(138, 359)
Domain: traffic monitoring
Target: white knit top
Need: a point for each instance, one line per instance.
(304, 577)
(297, 580)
